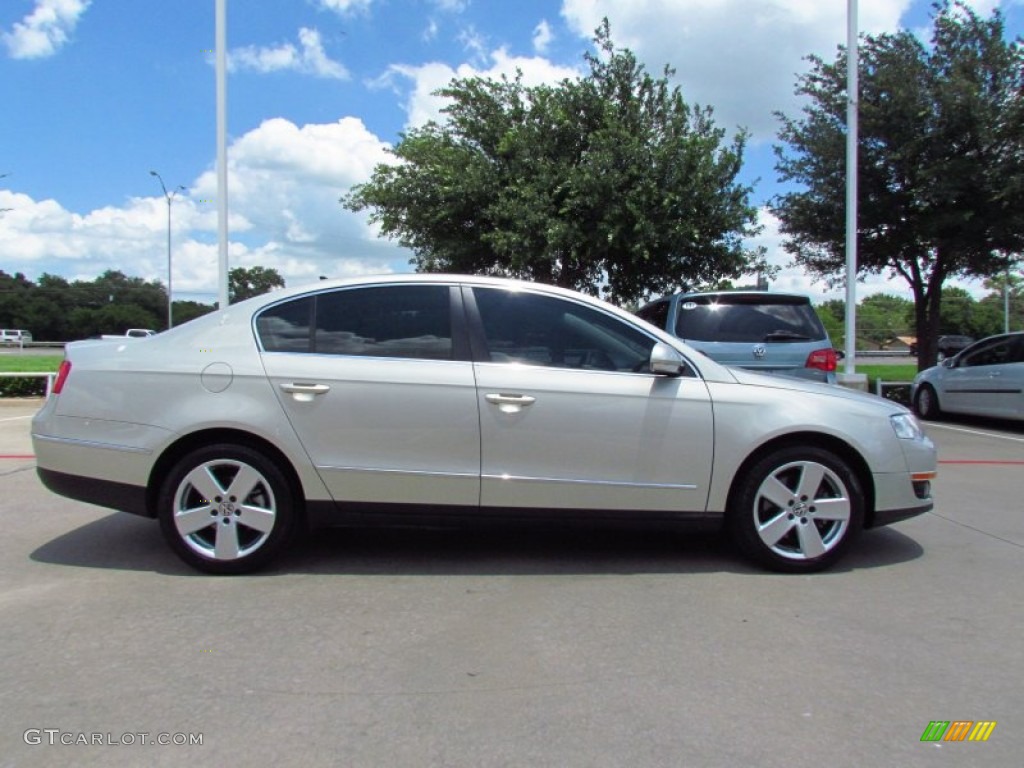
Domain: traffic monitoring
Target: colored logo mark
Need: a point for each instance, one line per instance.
(958, 730)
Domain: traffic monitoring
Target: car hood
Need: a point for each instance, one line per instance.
(751, 378)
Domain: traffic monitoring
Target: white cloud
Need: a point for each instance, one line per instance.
(44, 31)
(738, 56)
(311, 59)
(343, 7)
(422, 105)
(284, 183)
(473, 42)
(430, 33)
(542, 37)
(451, 6)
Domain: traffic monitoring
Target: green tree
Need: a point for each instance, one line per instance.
(995, 303)
(881, 318)
(114, 319)
(941, 160)
(832, 321)
(14, 293)
(190, 310)
(610, 182)
(244, 283)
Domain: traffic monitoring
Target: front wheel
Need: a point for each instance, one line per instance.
(797, 510)
(926, 403)
(226, 509)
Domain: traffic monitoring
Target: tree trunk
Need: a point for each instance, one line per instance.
(927, 306)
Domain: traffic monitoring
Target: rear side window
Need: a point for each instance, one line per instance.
(996, 352)
(406, 321)
(747, 319)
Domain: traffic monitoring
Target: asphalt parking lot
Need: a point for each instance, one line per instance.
(529, 649)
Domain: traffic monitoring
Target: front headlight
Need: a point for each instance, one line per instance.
(905, 426)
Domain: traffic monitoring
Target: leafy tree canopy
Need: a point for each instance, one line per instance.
(244, 283)
(941, 160)
(610, 182)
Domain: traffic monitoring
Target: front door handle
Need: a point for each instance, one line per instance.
(509, 403)
(304, 393)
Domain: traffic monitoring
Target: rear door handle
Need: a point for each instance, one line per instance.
(509, 403)
(304, 393)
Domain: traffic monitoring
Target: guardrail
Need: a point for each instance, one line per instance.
(32, 375)
(883, 352)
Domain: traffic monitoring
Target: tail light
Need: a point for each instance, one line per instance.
(823, 360)
(62, 376)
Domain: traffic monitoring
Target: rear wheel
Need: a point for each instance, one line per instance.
(797, 510)
(926, 403)
(226, 509)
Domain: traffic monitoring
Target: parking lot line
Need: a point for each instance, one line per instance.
(976, 432)
(1010, 462)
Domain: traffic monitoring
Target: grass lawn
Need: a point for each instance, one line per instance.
(17, 363)
(886, 372)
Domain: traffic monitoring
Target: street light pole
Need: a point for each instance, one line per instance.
(170, 198)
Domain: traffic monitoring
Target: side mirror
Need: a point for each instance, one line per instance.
(949, 362)
(666, 360)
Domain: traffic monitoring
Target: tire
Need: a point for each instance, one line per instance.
(250, 518)
(926, 402)
(797, 510)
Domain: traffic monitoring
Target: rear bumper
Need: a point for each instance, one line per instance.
(103, 493)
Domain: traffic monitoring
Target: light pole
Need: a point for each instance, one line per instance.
(170, 198)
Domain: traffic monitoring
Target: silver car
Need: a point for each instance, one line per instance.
(985, 379)
(445, 400)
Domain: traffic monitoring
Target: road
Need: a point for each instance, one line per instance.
(535, 649)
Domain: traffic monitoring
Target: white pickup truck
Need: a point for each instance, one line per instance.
(131, 333)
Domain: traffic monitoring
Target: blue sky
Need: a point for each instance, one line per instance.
(96, 93)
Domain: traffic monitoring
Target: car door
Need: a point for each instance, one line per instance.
(986, 379)
(377, 383)
(570, 417)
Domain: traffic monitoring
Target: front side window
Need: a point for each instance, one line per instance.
(403, 321)
(531, 329)
(993, 353)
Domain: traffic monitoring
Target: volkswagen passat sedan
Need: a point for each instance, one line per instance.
(985, 379)
(433, 400)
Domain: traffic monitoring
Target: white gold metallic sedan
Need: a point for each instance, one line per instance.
(447, 400)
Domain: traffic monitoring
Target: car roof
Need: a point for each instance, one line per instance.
(393, 278)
